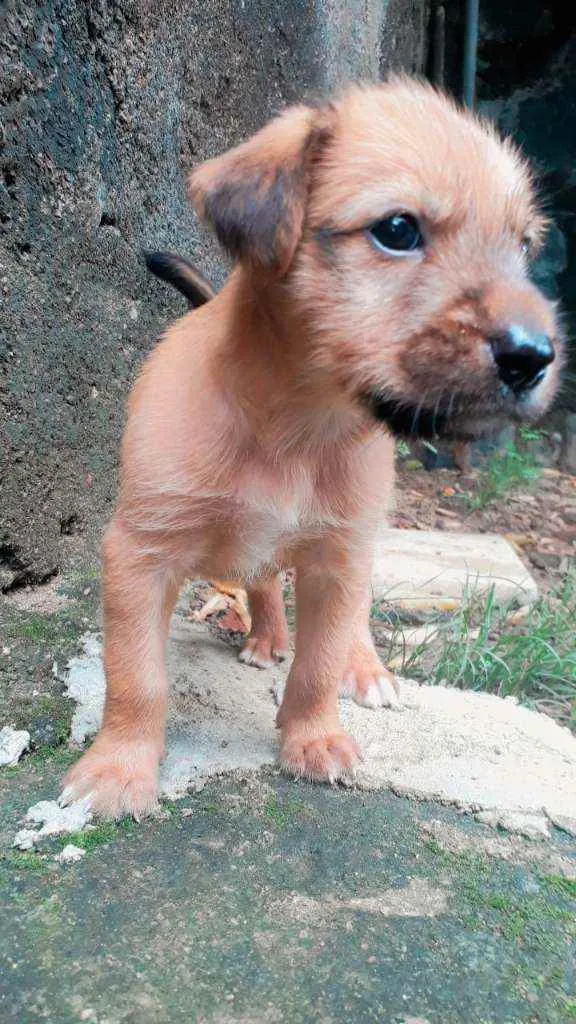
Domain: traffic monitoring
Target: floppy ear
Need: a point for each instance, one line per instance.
(255, 195)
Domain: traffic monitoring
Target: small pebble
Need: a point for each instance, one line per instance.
(70, 854)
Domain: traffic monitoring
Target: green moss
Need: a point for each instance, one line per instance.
(561, 886)
(282, 813)
(24, 860)
(568, 1007)
(40, 758)
(517, 917)
(42, 629)
(541, 920)
(101, 835)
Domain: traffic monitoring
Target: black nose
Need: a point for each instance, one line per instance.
(521, 357)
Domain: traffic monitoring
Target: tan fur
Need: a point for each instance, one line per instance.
(249, 446)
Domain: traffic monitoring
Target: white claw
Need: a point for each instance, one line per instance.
(248, 657)
(280, 655)
(388, 695)
(349, 685)
(373, 697)
(66, 796)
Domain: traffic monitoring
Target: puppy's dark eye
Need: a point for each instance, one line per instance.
(398, 233)
(526, 245)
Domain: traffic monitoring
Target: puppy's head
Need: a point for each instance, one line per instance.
(402, 229)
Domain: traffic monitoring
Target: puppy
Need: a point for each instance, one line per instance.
(381, 288)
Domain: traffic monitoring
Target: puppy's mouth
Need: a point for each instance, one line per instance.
(441, 421)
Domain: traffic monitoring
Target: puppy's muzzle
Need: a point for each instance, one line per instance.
(506, 390)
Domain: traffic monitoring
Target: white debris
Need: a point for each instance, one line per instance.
(70, 854)
(56, 820)
(25, 838)
(533, 826)
(567, 825)
(13, 743)
(87, 686)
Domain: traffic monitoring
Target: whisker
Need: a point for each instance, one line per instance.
(435, 412)
(416, 417)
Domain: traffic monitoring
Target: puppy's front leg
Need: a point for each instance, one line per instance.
(366, 680)
(331, 578)
(120, 770)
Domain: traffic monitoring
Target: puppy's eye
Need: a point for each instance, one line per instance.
(526, 245)
(398, 233)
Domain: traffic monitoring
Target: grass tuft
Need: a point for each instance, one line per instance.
(482, 648)
(512, 468)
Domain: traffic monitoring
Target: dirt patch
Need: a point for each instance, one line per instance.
(513, 848)
(539, 520)
(417, 899)
(46, 599)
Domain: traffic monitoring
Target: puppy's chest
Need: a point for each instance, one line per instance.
(272, 513)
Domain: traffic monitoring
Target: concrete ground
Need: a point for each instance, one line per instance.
(260, 899)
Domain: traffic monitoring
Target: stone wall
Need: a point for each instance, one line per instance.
(106, 103)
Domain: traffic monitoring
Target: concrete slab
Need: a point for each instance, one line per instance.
(265, 902)
(473, 750)
(424, 567)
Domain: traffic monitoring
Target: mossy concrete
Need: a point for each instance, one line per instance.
(260, 899)
(39, 631)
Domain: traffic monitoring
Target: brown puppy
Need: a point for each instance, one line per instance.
(381, 288)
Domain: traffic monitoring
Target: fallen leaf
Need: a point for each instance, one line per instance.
(232, 621)
(519, 540)
(216, 603)
(228, 596)
(519, 616)
(447, 512)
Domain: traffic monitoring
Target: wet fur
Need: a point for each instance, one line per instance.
(253, 439)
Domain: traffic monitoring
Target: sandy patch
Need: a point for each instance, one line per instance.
(472, 750)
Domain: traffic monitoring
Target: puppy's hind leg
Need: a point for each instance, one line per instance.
(268, 641)
(120, 771)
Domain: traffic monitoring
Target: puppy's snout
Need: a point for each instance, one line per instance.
(521, 357)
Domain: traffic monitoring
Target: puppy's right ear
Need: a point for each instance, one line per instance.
(255, 195)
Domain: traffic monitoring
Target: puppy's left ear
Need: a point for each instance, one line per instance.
(255, 195)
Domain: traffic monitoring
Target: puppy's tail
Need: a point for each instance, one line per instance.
(174, 269)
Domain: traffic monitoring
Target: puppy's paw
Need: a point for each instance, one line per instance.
(263, 652)
(366, 680)
(118, 779)
(321, 757)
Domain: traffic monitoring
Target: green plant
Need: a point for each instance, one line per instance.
(530, 435)
(402, 449)
(507, 470)
(479, 648)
